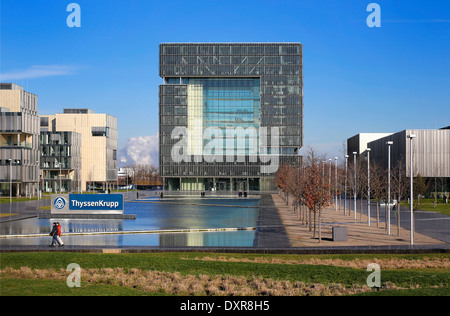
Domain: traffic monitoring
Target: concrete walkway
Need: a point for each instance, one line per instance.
(359, 233)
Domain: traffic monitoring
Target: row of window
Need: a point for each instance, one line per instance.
(10, 121)
(173, 89)
(173, 105)
(231, 49)
(61, 138)
(216, 170)
(228, 70)
(230, 60)
(177, 112)
(292, 141)
(7, 162)
(56, 150)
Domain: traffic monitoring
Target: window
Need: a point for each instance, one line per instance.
(100, 131)
(44, 121)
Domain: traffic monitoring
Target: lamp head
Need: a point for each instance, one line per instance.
(412, 136)
(389, 142)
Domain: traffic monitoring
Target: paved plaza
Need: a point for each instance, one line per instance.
(359, 233)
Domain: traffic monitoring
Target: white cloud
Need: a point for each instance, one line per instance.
(37, 71)
(141, 150)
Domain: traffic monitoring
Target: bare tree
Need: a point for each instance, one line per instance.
(400, 185)
(420, 188)
(377, 186)
(306, 185)
(361, 183)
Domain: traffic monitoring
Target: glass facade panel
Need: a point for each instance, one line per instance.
(223, 103)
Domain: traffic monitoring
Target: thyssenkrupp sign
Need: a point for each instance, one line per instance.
(87, 204)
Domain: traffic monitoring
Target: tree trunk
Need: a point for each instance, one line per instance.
(378, 213)
(320, 225)
(302, 215)
(360, 210)
(398, 216)
(314, 231)
(386, 215)
(310, 224)
(435, 192)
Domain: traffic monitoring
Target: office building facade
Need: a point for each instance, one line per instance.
(230, 114)
(60, 161)
(431, 152)
(358, 143)
(19, 141)
(99, 137)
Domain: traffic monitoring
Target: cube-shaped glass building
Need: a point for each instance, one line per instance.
(230, 114)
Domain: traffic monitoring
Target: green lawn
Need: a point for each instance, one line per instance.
(417, 281)
(428, 205)
(5, 199)
(38, 287)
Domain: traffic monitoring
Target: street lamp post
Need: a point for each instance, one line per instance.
(39, 179)
(323, 171)
(321, 200)
(389, 143)
(10, 186)
(60, 188)
(411, 137)
(354, 185)
(78, 179)
(335, 181)
(329, 178)
(10, 182)
(345, 193)
(368, 185)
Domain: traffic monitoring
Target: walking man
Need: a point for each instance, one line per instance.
(58, 236)
(54, 234)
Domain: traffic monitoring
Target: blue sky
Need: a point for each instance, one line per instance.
(356, 78)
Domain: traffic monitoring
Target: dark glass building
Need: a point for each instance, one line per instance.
(230, 114)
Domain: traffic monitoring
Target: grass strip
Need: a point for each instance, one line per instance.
(191, 265)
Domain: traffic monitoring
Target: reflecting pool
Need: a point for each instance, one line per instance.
(154, 215)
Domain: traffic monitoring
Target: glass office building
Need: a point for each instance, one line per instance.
(229, 110)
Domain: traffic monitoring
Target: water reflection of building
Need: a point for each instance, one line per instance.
(68, 226)
(243, 238)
